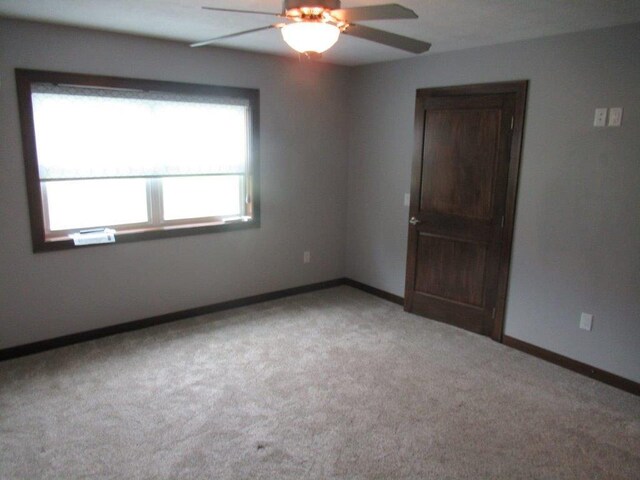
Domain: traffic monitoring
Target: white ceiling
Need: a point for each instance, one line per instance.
(447, 24)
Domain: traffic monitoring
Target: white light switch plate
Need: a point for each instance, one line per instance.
(615, 116)
(407, 199)
(586, 321)
(600, 119)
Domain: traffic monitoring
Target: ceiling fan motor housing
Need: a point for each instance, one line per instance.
(297, 4)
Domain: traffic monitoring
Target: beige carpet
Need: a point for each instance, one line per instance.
(332, 384)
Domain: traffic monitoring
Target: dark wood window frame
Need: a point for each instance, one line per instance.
(24, 81)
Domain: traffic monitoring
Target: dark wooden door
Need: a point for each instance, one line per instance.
(464, 178)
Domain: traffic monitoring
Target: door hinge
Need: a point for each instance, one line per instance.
(512, 123)
(502, 222)
(493, 314)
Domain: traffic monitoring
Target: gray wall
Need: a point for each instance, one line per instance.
(303, 156)
(577, 231)
(577, 237)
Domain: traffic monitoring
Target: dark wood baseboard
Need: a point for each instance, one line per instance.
(374, 291)
(41, 346)
(579, 367)
(44, 345)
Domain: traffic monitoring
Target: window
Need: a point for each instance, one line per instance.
(148, 159)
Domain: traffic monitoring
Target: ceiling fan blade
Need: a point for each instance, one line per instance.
(387, 38)
(241, 11)
(374, 12)
(213, 40)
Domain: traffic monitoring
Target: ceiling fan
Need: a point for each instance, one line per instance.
(313, 26)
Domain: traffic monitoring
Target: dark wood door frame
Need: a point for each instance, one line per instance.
(519, 90)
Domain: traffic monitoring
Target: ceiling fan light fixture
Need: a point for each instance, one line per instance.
(305, 37)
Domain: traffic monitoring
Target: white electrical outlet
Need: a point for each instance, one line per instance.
(600, 119)
(586, 321)
(615, 116)
(306, 257)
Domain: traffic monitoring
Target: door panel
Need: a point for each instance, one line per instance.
(451, 269)
(464, 162)
(461, 155)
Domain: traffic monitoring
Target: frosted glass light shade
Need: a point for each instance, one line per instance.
(306, 37)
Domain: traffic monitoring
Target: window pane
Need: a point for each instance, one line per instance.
(196, 197)
(77, 204)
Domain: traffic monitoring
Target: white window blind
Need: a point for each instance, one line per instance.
(137, 133)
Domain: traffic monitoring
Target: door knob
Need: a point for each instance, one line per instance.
(414, 221)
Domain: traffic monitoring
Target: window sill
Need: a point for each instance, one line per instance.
(138, 235)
